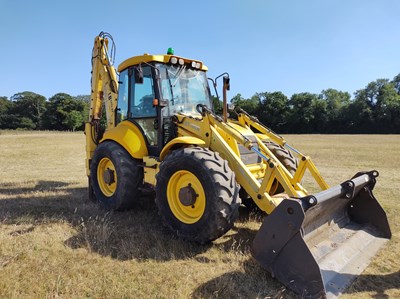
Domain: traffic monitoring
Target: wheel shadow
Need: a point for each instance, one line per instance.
(134, 234)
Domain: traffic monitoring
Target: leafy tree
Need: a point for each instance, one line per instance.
(28, 105)
(360, 112)
(5, 106)
(376, 108)
(26, 123)
(302, 117)
(320, 120)
(273, 109)
(249, 105)
(387, 109)
(396, 82)
(336, 105)
(73, 119)
(59, 107)
(84, 100)
(217, 104)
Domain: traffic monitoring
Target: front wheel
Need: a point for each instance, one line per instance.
(115, 176)
(196, 194)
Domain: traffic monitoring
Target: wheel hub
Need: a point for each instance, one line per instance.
(187, 196)
(109, 176)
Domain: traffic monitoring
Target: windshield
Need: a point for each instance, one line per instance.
(183, 88)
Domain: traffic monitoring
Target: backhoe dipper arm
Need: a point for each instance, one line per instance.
(104, 91)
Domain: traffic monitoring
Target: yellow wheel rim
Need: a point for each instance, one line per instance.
(188, 211)
(107, 177)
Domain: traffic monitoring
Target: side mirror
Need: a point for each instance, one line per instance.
(227, 83)
(138, 72)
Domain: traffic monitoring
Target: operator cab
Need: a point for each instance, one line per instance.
(152, 88)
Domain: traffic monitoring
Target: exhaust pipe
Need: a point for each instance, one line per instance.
(317, 245)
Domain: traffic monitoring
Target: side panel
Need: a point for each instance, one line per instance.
(130, 137)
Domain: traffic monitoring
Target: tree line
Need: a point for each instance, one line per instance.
(31, 111)
(373, 109)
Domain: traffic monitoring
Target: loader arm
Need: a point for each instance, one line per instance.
(315, 244)
(104, 93)
(258, 187)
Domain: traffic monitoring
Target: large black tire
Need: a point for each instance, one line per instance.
(212, 207)
(286, 158)
(283, 155)
(115, 176)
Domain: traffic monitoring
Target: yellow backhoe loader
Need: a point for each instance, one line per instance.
(161, 133)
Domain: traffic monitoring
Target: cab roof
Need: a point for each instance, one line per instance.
(136, 60)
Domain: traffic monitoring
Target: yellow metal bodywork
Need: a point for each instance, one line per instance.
(130, 137)
(147, 58)
(150, 167)
(181, 142)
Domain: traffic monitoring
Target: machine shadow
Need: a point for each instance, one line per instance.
(264, 286)
(230, 285)
(134, 234)
(377, 284)
(44, 202)
(40, 186)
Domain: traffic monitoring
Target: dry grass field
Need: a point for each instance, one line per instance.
(54, 243)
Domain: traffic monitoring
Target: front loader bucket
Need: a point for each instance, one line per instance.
(317, 245)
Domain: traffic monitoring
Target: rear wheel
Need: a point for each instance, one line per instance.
(196, 194)
(115, 176)
(283, 155)
(288, 161)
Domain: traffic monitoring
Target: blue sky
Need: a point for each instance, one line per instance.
(288, 46)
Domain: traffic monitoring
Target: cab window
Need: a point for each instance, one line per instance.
(123, 89)
(141, 108)
(142, 96)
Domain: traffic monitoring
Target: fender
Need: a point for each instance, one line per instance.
(184, 140)
(129, 137)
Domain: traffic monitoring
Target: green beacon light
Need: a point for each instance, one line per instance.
(170, 51)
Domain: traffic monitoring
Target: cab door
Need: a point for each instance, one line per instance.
(141, 108)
